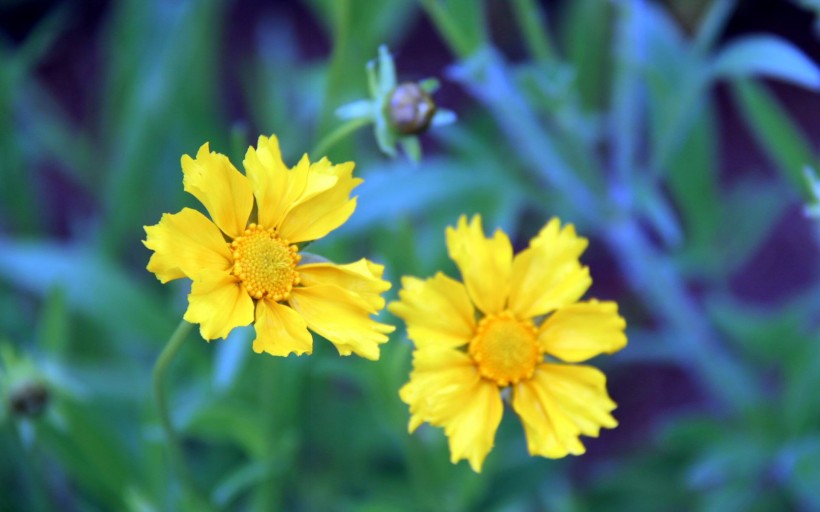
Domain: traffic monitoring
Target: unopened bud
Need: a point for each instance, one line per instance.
(411, 109)
(29, 399)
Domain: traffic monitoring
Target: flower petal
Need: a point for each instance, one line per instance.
(218, 303)
(559, 403)
(548, 274)
(438, 311)
(224, 191)
(362, 278)
(280, 330)
(446, 390)
(185, 244)
(314, 217)
(278, 189)
(342, 317)
(583, 330)
(484, 263)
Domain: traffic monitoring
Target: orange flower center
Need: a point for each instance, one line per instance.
(265, 263)
(505, 349)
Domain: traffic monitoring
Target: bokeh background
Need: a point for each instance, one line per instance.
(675, 135)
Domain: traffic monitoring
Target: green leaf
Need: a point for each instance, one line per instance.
(658, 211)
(586, 29)
(775, 131)
(749, 212)
(765, 334)
(153, 52)
(411, 148)
(802, 471)
(92, 285)
(355, 109)
(404, 189)
(387, 70)
(769, 56)
(443, 117)
(52, 328)
(429, 85)
(461, 23)
(251, 476)
(813, 208)
(222, 421)
(692, 182)
(87, 446)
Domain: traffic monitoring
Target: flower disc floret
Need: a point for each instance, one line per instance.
(265, 263)
(505, 349)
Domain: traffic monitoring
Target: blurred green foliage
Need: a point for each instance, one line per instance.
(609, 120)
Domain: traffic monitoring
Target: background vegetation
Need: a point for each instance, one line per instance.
(675, 135)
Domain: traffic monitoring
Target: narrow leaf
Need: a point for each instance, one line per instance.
(769, 56)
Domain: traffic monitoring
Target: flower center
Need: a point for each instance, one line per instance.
(505, 349)
(265, 263)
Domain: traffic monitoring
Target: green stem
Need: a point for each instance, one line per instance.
(533, 26)
(337, 68)
(457, 39)
(713, 23)
(332, 138)
(35, 487)
(174, 448)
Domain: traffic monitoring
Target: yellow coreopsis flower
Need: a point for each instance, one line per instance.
(514, 323)
(245, 263)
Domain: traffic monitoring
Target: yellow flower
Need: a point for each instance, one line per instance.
(514, 322)
(245, 263)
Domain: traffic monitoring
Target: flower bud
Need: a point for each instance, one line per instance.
(29, 399)
(411, 109)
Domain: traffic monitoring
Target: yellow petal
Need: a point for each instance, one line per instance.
(579, 331)
(438, 311)
(273, 185)
(342, 318)
(313, 218)
(218, 303)
(437, 372)
(280, 330)
(446, 390)
(548, 275)
(362, 278)
(223, 190)
(559, 403)
(186, 244)
(278, 189)
(484, 263)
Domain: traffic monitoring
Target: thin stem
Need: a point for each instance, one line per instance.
(332, 138)
(174, 448)
(534, 28)
(713, 24)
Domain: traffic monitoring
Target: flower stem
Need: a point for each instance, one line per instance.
(175, 451)
(534, 28)
(332, 138)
